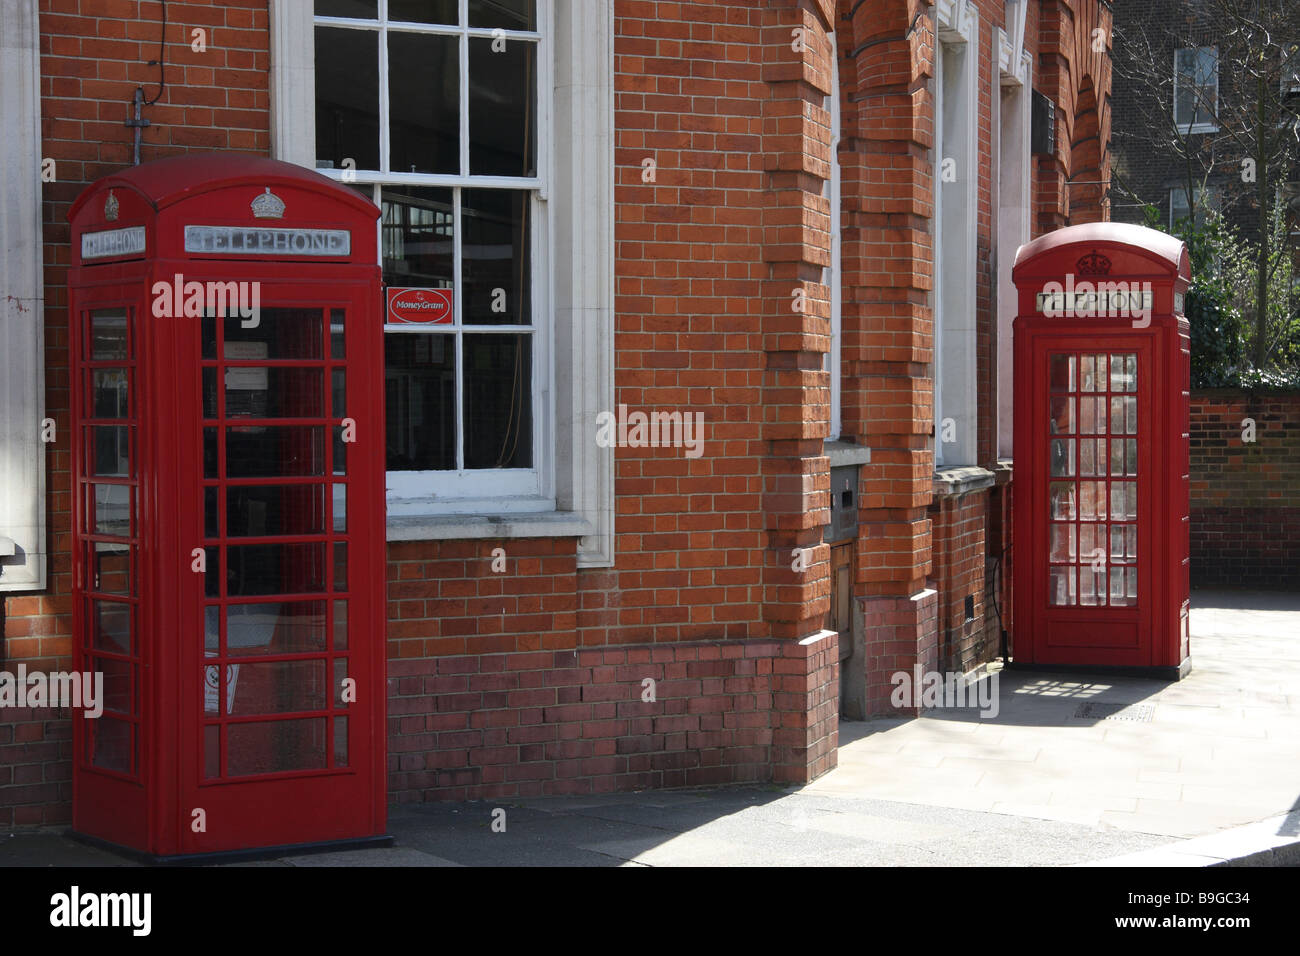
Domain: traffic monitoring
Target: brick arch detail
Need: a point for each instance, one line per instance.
(1085, 185)
(1071, 71)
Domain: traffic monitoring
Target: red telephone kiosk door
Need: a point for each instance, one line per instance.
(229, 519)
(1101, 451)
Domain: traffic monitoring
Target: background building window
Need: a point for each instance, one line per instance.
(1196, 89)
(431, 110)
(1207, 201)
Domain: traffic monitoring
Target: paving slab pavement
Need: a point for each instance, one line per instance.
(1219, 749)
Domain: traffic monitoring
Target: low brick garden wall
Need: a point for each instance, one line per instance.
(1245, 530)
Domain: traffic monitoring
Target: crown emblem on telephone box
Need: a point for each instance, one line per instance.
(1093, 264)
(110, 207)
(268, 206)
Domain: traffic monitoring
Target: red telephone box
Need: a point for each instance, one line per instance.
(1102, 372)
(228, 518)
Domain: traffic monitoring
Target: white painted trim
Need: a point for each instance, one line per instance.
(553, 524)
(1014, 62)
(22, 303)
(583, 217)
(834, 275)
(293, 82)
(1012, 197)
(956, 210)
(956, 21)
(936, 284)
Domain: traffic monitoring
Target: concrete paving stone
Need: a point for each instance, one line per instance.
(1154, 824)
(1280, 765)
(1092, 799)
(1284, 720)
(915, 757)
(559, 804)
(1146, 738)
(937, 726)
(681, 851)
(1212, 776)
(1186, 819)
(1224, 725)
(664, 819)
(1001, 773)
(874, 828)
(50, 847)
(383, 856)
(975, 749)
(257, 863)
(1160, 857)
(1120, 787)
(1021, 795)
(1046, 811)
(1112, 761)
(908, 790)
(952, 799)
(1048, 740)
(1282, 830)
(1247, 792)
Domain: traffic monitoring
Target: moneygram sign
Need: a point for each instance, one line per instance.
(419, 306)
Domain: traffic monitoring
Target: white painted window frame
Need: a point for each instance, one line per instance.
(23, 531)
(1191, 127)
(576, 187)
(955, 224)
(461, 490)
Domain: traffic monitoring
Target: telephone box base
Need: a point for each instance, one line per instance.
(235, 856)
(1169, 673)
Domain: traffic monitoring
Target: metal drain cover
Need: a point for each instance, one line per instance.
(1095, 710)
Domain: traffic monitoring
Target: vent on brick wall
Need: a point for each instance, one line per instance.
(970, 607)
(1042, 130)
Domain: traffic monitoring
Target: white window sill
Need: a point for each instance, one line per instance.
(1198, 128)
(547, 524)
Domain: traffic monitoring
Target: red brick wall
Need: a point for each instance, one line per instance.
(1066, 68)
(35, 766)
(575, 721)
(901, 634)
(1245, 495)
(960, 557)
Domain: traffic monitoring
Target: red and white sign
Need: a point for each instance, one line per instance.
(419, 306)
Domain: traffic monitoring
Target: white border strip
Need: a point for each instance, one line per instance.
(22, 304)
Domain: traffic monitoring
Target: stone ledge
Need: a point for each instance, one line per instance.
(845, 453)
(950, 482)
(551, 524)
